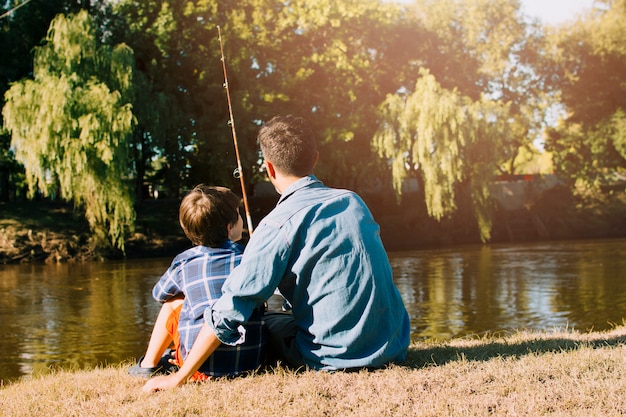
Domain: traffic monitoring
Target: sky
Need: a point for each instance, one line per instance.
(551, 11)
(555, 11)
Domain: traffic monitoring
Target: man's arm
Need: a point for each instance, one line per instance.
(203, 347)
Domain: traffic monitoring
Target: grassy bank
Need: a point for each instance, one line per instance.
(528, 374)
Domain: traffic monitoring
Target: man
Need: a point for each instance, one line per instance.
(321, 248)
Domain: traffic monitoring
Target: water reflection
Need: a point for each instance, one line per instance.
(84, 315)
(74, 315)
(486, 289)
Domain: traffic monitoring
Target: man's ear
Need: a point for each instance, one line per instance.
(271, 171)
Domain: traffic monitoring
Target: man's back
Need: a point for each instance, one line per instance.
(322, 248)
(338, 273)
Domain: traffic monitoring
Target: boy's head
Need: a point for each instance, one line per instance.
(205, 214)
(288, 143)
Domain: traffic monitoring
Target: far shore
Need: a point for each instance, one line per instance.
(559, 373)
(46, 231)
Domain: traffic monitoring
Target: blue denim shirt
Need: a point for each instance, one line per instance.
(321, 247)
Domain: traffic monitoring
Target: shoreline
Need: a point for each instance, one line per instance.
(50, 232)
(524, 373)
(44, 231)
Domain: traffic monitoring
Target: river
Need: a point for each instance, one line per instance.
(76, 316)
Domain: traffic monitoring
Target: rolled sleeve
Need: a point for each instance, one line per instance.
(229, 333)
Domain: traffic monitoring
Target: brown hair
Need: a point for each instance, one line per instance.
(205, 213)
(288, 143)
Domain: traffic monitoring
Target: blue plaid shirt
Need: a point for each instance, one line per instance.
(198, 274)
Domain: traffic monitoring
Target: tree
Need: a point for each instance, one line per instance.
(11, 172)
(485, 47)
(443, 139)
(474, 116)
(70, 125)
(586, 66)
(20, 31)
(177, 52)
(330, 61)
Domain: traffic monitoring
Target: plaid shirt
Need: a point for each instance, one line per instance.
(198, 274)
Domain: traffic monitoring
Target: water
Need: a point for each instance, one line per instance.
(490, 289)
(76, 316)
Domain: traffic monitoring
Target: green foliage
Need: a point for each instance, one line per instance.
(351, 67)
(71, 123)
(25, 28)
(487, 36)
(444, 139)
(20, 32)
(588, 63)
(532, 160)
(618, 132)
(182, 137)
(330, 61)
(484, 49)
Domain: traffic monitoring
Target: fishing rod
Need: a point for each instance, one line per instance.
(14, 9)
(231, 122)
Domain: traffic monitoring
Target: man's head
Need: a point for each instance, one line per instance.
(207, 214)
(288, 143)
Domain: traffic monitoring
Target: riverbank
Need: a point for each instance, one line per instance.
(49, 231)
(524, 374)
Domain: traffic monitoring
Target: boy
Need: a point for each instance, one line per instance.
(210, 218)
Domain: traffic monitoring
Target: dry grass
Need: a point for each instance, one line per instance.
(528, 374)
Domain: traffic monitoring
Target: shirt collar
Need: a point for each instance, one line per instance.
(301, 183)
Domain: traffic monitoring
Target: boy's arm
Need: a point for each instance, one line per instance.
(202, 348)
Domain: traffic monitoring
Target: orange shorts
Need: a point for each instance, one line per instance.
(172, 328)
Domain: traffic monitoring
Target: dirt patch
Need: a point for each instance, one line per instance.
(25, 245)
(51, 232)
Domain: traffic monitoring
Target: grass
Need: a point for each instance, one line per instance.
(563, 373)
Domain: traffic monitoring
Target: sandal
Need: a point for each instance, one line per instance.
(162, 368)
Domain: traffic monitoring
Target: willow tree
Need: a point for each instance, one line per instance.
(443, 139)
(70, 124)
(487, 49)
